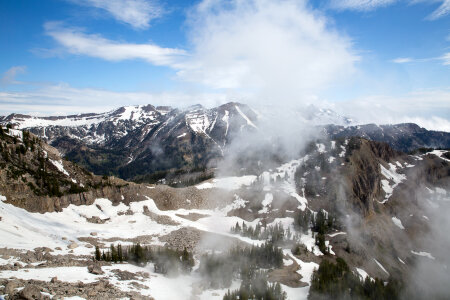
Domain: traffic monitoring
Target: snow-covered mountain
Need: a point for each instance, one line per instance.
(134, 142)
(104, 128)
(138, 140)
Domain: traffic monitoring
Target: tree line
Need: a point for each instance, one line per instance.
(275, 234)
(166, 260)
(218, 271)
(336, 281)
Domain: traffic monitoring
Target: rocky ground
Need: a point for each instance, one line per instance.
(50, 253)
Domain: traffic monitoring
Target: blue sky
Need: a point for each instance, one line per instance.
(381, 60)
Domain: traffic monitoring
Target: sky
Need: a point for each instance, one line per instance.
(382, 61)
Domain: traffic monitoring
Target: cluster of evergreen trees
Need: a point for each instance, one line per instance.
(336, 281)
(256, 287)
(319, 223)
(219, 270)
(165, 259)
(275, 234)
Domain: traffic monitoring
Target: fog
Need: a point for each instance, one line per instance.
(430, 278)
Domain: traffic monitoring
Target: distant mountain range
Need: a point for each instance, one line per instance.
(145, 142)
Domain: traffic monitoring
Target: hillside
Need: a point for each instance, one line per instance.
(351, 199)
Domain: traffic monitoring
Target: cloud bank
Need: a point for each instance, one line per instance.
(279, 49)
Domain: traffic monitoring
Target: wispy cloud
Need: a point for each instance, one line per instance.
(137, 13)
(369, 5)
(443, 10)
(360, 5)
(402, 60)
(444, 59)
(75, 41)
(9, 77)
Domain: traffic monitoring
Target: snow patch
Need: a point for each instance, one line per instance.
(398, 222)
(440, 153)
(249, 122)
(362, 274)
(59, 165)
(391, 175)
(381, 266)
(227, 183)
(423, 253)
(266, 203)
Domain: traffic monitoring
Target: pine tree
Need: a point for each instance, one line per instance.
(97, 253)
(187, 260)
(119, 253)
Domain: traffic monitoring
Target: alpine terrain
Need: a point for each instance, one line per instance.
(134, 202)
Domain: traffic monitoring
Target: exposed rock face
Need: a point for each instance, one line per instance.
(365, 174)
(124, 275)
(183, 238)
(98, 290)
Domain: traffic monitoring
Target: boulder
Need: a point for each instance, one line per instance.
(31, 292)
(11, 286)
(72, 245)
(95, 269)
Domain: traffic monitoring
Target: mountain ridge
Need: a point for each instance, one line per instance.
(148, 143)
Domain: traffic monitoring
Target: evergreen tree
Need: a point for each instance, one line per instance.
(119, 253)
(98, 256)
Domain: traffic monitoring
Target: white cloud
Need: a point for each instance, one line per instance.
(9, 77)
(275, 49)
(137, 13)
(443, 10)
(360, 5)
(77, 42)
(402, 60)
(368, 5)
(446, 58)
(281, 50)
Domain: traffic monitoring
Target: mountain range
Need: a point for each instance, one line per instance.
(150, 143)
